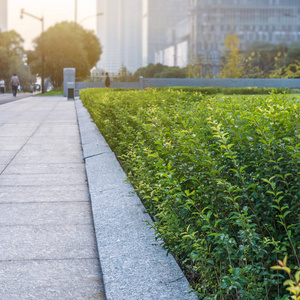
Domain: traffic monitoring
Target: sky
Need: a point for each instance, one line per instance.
(54, 11)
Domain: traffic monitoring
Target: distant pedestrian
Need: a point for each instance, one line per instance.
(107, 81)
(14, 84)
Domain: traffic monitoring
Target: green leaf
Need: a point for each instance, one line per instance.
(297, 276)
(289, 282)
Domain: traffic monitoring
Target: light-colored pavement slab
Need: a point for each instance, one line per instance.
(134, 264)
(45, 213)
(37, 193)
(47, 240)
(50, 280)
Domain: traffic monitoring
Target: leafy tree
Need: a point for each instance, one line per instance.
(5, 65)
(160, 71)
(293, 53)
(232, 65)
(263, 57)
(252, 69)
(13, 60)
(149, 71)
(65, 45)
(199, 67)
(125, 76)
(282, 70)
(172, 72)
(273, 61)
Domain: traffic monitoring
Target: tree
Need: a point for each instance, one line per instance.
(149, 71)
(13, 59)
(232, 65)
(293, 53)
(65, 45)
(124, 75)
(284, 70)
(160, 71)
(172, 72)
(199, 67)
(263, 58)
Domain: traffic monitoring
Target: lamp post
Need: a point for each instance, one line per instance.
(91, 16)
(75, 17)
(42, 42)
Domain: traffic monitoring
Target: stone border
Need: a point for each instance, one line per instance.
(134, 264)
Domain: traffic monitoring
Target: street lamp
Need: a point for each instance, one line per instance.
(75, 13)
(42, 43)
(91, 16)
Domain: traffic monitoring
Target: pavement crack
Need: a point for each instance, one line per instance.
(94, 155)
(178, 279)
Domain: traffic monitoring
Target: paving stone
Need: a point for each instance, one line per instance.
(2, 167)
(49, 157)
(39, 193)
(53, 213)
(6, 156)
(51, 279)
(47, 242)
(44, 140)
(42, 179)
(75, 170)
(51, 147)
(9, 143)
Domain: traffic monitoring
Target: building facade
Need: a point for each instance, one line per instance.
(273, 21)
(160, 20)
(210, 21)
(3, 15)
(120, 34)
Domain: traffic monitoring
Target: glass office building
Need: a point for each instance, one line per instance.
(273, 21)
(160, 18)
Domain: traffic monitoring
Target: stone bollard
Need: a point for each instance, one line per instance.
(69, 76)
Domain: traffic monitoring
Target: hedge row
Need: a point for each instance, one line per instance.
(221, 176)
(219, 90)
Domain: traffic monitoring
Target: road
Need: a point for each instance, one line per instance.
(6, 98)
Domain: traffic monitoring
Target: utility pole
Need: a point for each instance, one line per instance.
(75, 18)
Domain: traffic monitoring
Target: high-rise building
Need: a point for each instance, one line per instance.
(203, 31)
(120, 34)
(274, 21)
(3, 15)
(160, 18)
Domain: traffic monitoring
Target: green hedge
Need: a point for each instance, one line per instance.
(217, 90)
(221, 175)
(229, 91)
(203, 90)
(254, 91)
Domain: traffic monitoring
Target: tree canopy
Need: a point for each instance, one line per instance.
(65, 45)
(160, 71)
(13, 59)
(232, 64)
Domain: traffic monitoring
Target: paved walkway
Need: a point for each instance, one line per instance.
(7, 98)
(47, 240)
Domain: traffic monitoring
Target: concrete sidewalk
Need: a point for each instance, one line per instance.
(8, 97)
(47, 240)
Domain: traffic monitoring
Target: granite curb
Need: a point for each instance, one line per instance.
(133, 262)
